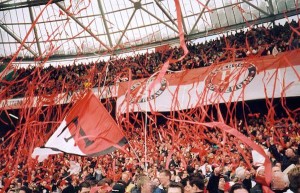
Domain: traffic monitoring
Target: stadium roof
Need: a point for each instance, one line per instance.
(76, 27)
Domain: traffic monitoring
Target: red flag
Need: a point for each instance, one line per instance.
(87, 130)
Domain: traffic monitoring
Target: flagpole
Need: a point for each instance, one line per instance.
(134, 151)
(145, 139)
(145, 128)
(146, 119)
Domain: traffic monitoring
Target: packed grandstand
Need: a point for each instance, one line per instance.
(217, 115)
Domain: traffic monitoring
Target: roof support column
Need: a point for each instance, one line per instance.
(165, 12)
(137, 5)
(157, 18)
(83, 26)
(199, 17)
(255, 7)
(104, 22)
(271, 7)
(18, 39)
(35, 32)
(183, 23)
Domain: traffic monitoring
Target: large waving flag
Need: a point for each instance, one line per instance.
(87, 130)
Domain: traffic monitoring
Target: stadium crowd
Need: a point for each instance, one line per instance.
(189, 168)
(258, 41)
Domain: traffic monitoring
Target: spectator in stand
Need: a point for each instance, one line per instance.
(238, 188)
(284, 158)
(223, 186)
(280, 181)
(126, 177)
(175, 187)
(85, 187)
(99, 173)
(197, 185)
(118, 188)
(294, 178)
(165, 180)
(143, 185)
(174, 163)
(213, 182)
(25, 190)
(42, 187)
(68, 187)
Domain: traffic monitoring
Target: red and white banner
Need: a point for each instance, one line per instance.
(87, 130)
(257, 78)
(62, 98)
